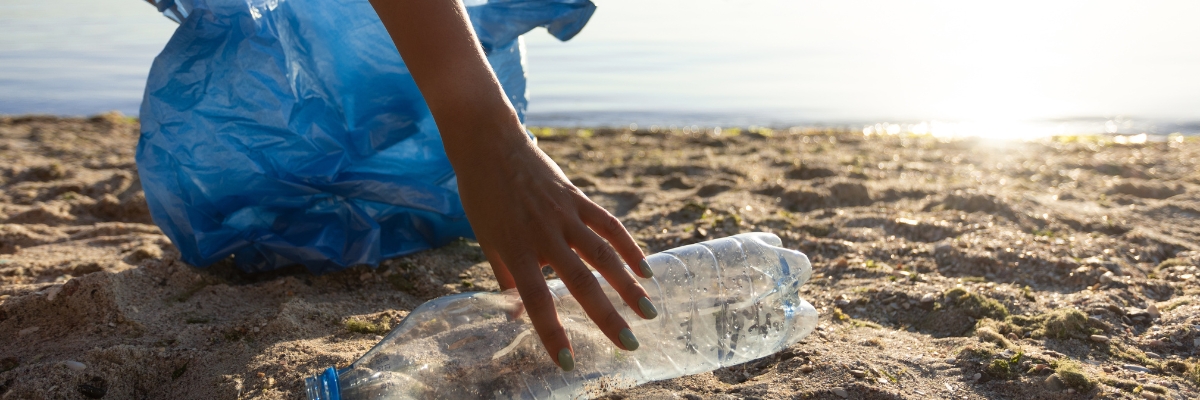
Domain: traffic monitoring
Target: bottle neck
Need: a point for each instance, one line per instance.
(323, 386)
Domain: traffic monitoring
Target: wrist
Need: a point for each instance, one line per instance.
(482, 136)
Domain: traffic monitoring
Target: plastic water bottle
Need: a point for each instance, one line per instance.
(721, 302)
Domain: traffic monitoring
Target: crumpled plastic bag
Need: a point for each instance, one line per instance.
(290, 131)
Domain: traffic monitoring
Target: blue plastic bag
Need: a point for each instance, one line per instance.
(289, 131)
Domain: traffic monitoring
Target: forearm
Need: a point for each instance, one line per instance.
(441, 51)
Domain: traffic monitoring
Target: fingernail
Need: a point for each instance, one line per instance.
(566, 361)
(628, 339)
(646, 271)
(648, 308)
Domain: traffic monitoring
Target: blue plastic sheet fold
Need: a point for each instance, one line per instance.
(290, 131)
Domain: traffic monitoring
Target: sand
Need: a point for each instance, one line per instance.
(969, 269)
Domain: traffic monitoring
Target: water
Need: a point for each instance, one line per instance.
(985, 68)
(77, 57)
(722, 302)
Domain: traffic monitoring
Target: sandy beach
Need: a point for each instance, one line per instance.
(1058, 268)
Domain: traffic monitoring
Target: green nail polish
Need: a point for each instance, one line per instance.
(566, 361)
(628, 339)
(646, 271)
(648, 308)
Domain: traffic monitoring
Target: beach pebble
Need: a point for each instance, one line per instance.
(928, 298)
(75, 365)
(840, 392)
(806, 368)
(1153, 311)
(1100, 338)
(858, 373)
(975, 378)
(1136, 368)
(1153, 355)
(1054, 383)
(52, 292)
(27, 331)
(1149, 396)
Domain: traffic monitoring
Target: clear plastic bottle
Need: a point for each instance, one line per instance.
(721, 302)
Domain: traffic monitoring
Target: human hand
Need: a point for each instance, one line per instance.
(526, 214)
(524, 211)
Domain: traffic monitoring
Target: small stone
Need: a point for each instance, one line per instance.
(858, 373)
(975, 378)
(840, 392)
(1153, 311)
(1196, 342)
(1040, 367)
(1099, 338)
(53, 292)
(75, 365)
(1012, 336)
(928, 298)
(1071, 390)
(806, 368)
(797, 380)
(27, 331)
(1053, 383)
(1153, 355)
(1149, 396)
(1136, 368)
(841, 302)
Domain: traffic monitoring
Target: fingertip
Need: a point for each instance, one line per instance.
(649, 311)
(566, 360)
(644, 269)
(628, 339)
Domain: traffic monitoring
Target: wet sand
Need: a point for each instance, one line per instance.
(1062, 268)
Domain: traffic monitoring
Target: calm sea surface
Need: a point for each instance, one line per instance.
(1062, 66)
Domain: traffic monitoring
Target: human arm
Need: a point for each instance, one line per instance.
(523, 209)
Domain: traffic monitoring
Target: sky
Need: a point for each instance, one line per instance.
(729, 61)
